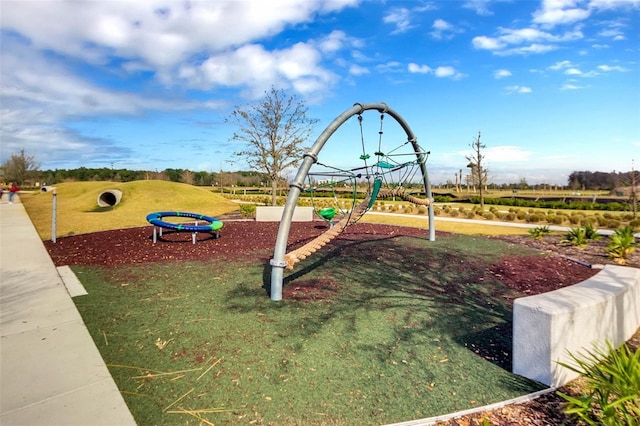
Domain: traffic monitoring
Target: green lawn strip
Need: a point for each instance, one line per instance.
(398, 336)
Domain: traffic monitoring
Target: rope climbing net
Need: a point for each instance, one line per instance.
(383, 174)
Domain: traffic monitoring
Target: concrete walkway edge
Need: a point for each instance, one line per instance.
(50, 369)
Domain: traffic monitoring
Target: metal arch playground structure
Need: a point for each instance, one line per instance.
(376, 171)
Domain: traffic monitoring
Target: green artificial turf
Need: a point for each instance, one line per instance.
(372, 332)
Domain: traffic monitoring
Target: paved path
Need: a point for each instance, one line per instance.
(51, 372)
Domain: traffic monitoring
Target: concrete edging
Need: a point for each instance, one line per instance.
(548, 327)
(274, 214)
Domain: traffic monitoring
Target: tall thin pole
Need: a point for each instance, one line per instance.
(54, 215)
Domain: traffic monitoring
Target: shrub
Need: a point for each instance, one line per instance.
(539, 231)
(576, 237)
(602, 221)
(521, 215)
(247, 210)
(423, 210)
(635, 224)
(612, 389)
(534, 218)
(488, 215)
(408, 209)
(590, 232)
(558, 219)
(621, 245)
(613, 224)
(576, 219)
(511, 216)
(454, 213)
(470, 214)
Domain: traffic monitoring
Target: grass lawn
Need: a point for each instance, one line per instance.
(387, 331)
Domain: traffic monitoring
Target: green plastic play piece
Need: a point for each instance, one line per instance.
(364, 157)
(385, 165)
(328, 213)
(374, 193)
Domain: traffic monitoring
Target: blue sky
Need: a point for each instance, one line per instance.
(554, 86)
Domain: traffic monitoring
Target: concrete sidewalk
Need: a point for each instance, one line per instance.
(51, 372)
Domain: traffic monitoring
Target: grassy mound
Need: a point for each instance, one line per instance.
(78, 211)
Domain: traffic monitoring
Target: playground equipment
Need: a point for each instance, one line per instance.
(213, 225)
(109, 198)
(384, 171)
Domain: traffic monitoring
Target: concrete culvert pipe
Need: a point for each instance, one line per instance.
(109, 198)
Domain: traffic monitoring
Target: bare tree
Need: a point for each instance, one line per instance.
(479, 173)
(187, 177)
(20, 167)
(273, 131)
(634, 184)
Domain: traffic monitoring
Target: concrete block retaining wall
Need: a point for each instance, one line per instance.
(606, 307)
(274, 214)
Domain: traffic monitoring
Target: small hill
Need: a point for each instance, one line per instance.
(78, 211)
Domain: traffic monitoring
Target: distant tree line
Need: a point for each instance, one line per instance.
(201, 178)
(603, 181)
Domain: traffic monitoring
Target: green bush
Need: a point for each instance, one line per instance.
(511, 216)
(590, 232)
(621, 245)
(558, 219)
(576, 237)
(576, 219)
(635, 224)
(521, 215)
(539, 231)
(534, 218)
(488, 215)
(423, 210)
(470, 214)
(454, 213)
(247, 210)
(612, 389)
(613, 223)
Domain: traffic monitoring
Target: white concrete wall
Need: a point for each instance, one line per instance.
(548, 326)
(274, 214)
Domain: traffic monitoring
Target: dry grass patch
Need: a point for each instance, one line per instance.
(78, 211)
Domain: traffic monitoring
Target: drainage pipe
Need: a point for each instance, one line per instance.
(109, 198)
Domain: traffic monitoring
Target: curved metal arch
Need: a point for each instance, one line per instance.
(278, 262)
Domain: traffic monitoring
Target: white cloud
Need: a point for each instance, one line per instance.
(524, 41)
(440, 72)
(573, 71)
(487, 43)
(443, 30)
(400, 18)
(561, 65)
(507, 154)
(560, 12)
(419, 69)
(448, 72)
(518, 89)
(390, 67)
(570, 86)
(498, 74)
(157, 36)
(358, 70)
(608, 68)
(481, 7)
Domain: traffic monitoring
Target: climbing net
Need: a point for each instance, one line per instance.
(391, 173)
